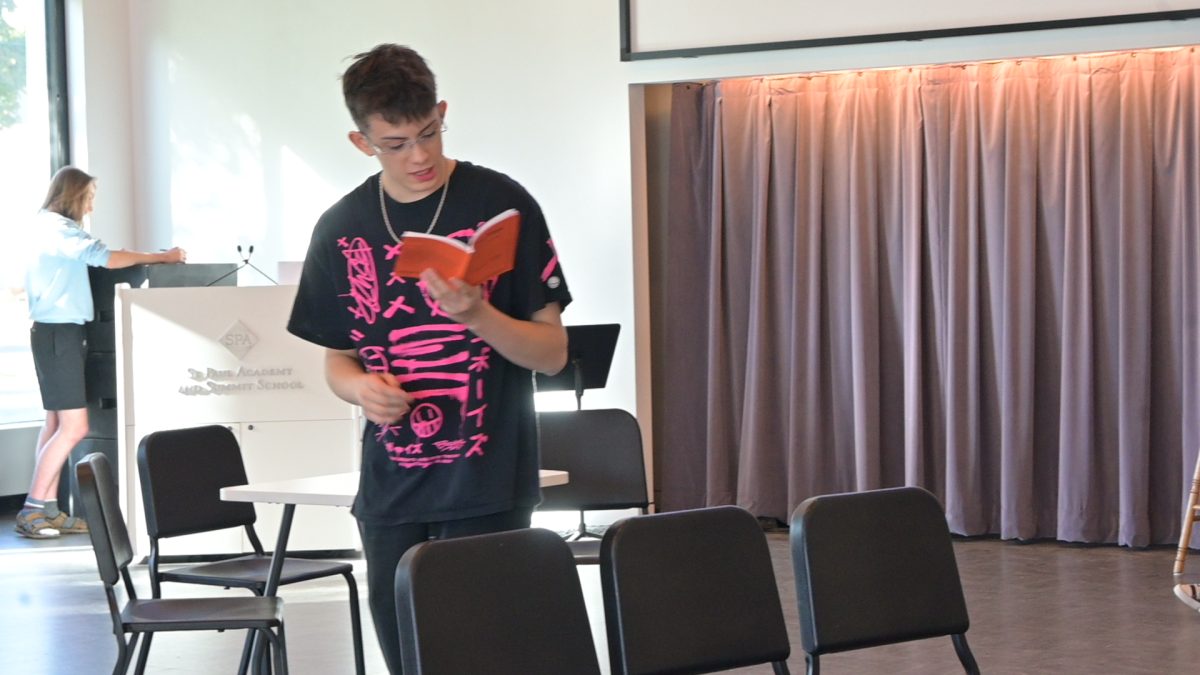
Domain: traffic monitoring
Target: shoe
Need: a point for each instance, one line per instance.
(1189, 594)
(68, 524)
(33, 524)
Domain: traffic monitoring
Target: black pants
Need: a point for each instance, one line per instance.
(384, 544)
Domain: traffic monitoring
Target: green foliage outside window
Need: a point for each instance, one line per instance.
(12, 67)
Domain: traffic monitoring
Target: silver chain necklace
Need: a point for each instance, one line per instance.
(436, 214)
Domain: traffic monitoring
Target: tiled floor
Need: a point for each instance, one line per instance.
(1035, 608)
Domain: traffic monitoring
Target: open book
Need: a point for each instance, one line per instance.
(490, 252)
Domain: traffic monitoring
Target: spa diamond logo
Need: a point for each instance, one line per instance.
(238, 339)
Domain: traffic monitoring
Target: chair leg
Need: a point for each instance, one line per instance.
(247, 650)
(261, 662)
(143, 654)
(125, 652)
(1189, 517)
(271, 649)
(964, 654)
(814, 665)
(580, 529)
(281, 651)
(266, 664)
(355, 625)
(780, 668)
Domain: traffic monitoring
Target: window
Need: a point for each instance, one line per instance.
(28, 154)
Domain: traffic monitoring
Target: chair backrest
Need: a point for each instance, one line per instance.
(689, 592)
(874, 568)
(182, 472)
(106, 525)
(602, 452)
(503, 603)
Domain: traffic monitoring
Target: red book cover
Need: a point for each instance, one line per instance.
(492, 251)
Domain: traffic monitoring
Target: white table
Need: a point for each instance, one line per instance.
(335, 489)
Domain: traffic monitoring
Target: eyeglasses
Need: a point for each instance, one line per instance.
(427, 136)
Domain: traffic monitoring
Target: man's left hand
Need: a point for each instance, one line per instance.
(454, 297)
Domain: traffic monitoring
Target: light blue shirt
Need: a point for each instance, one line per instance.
(56, 281)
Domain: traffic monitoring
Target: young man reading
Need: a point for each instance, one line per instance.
(441, 369)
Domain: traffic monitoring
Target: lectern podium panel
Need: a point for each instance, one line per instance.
(222, 355)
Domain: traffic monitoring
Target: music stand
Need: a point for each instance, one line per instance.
(589, 354)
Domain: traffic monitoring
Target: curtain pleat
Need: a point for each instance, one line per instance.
(685, 321)
(980, 278)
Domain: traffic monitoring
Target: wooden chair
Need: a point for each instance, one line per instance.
(691, 592)
(602, 452)
(1190, 515)
(137, 617)
(1188, 590)
(507, 603)
(876, 568)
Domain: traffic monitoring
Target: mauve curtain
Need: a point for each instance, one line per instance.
(979, 279)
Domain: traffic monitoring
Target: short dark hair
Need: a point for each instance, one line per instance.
(67, 193)
(391, 80)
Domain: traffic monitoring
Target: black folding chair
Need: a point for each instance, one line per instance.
(137, 617)
(875, 568)
(601, 450)
(182, 472)
(507, 603)
(691, 592)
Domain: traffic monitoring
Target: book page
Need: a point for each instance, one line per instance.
(495, 247)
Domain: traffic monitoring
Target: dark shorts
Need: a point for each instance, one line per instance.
(59, 351)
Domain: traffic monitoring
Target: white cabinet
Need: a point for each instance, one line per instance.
(195, 356)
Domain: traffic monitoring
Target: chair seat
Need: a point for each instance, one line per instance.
(251, 571)
(202, 614)
(586, 551)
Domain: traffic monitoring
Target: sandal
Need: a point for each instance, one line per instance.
(34, 525)
(68, 524)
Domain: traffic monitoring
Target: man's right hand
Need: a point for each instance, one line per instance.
(382, 398)
(174, 255)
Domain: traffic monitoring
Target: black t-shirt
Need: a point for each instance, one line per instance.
(468, 446)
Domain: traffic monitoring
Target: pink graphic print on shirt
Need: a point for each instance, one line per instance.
(433, 358)
(364, 281)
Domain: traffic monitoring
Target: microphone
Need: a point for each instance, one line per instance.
(245, 256)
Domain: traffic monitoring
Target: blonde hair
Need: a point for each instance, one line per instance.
(68, 192)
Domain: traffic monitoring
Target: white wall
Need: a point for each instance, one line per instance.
(236, 132)
(100, 106)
